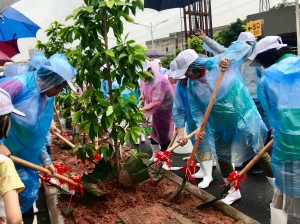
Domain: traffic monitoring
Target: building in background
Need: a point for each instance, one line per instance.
(168, 45)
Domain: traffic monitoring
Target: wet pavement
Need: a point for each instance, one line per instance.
(256, 190)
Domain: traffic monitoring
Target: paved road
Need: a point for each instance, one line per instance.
(256, 191)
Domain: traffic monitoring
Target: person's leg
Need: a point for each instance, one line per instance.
(164, 147)
(278, 216)
(155, 148)
(265, 164)
(28, 216)
(205, 160)
(223, 150)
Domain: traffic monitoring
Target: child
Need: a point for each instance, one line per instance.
(10, 183)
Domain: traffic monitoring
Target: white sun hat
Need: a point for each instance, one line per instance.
(173, 70)
(183, 60)
(246, 36)
(267, 43)
(6, 106)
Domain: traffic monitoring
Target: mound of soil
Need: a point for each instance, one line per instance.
(148, 202)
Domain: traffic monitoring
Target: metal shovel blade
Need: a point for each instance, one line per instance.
(219, 197)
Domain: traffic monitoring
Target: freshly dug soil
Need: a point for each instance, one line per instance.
(148, 202)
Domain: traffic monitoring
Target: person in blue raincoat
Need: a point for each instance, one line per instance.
(182, 116)
(278, 91)
(235, 124)
(34, 93)
(249, 74)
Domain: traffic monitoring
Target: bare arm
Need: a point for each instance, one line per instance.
(12, 207)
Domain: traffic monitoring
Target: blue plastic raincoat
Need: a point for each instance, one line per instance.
(182, 114)
(278, 91)
(27, 135)
(236, 126)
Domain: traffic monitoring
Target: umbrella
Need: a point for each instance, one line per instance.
(160, 5)
(10, 48)
(4, 4)
(4, 58)
(15, 25)
(153, 53)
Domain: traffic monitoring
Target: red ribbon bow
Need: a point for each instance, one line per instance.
(79, 187)
(163, 157)
(189, 170)
(61, 170)
(234, 176)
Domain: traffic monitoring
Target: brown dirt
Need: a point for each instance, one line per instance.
(144, 200)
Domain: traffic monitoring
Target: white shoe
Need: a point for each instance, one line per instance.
(155, 149)
(206, 166)
(232, 196)
(35, 209)
(205, 182)
(271, 181)
(199, 174)
(198, 164)
(165, 166)
(215, 162)
(278, 216)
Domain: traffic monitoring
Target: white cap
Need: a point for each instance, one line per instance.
(246, 36)
(183, 60)
(146, 65)
(173, 70)
(265, 44)
(6, 106)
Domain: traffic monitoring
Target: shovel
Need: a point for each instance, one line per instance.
(58, 119)
(42, 169)
(93, 189)
(65, 140)
(243, 172)
(202, 128)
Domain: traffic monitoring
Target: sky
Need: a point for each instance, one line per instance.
(43, 12)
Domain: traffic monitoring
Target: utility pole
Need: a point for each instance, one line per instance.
(264, 5)
(151, 28)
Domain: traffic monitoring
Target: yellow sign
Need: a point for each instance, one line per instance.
(255, 27)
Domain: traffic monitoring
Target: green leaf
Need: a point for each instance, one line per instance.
(110, 3)
(109, 110)
(99, 174)
(89, 9)
(110, 53)
(137, 170)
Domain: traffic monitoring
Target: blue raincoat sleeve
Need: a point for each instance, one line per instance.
(196, 94)
(179, 109)
(213, 47)
(27, 135)
(278, 91)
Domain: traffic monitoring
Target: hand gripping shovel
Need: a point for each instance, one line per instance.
(240, 175)
(44, 170)
(190, 161)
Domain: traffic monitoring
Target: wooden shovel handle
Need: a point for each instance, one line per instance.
(256, 158)
(65, 140)
(58, 119)
(207, 113)
(42, 169)
(173, 138)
